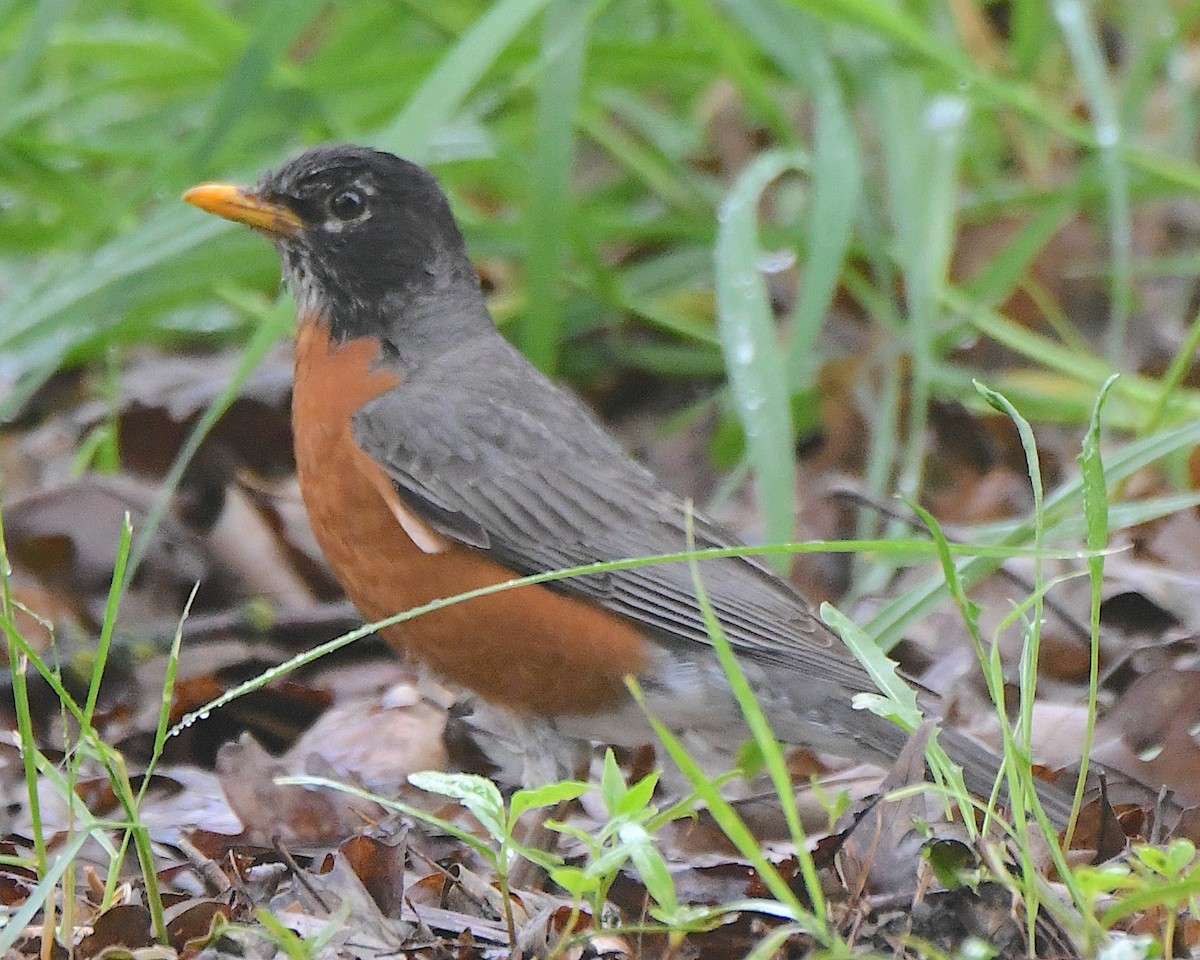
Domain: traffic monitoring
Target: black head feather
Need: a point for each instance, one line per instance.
(378, 242)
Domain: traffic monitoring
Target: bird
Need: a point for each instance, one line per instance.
(433, 459)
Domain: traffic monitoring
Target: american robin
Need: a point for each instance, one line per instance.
(434, 459)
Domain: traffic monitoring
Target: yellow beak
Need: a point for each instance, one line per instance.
(234, 203)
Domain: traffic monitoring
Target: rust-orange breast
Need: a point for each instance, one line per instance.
(529, 648)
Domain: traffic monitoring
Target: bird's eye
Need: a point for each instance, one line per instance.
(347, 205)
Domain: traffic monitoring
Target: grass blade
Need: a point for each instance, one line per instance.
(751, 344)
(443, 91)
(1083, 42)
(564, 43)
(797, 43)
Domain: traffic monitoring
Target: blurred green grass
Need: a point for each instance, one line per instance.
(594, 149)
(624, 170)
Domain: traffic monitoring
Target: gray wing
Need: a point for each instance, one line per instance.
(523, 471)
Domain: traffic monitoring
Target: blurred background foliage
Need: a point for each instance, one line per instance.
(664, 188)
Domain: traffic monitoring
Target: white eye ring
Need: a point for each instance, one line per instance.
(348, 205)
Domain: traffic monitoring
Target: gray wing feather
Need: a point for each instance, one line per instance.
(522, 470)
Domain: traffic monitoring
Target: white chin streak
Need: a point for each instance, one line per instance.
(297, 275)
